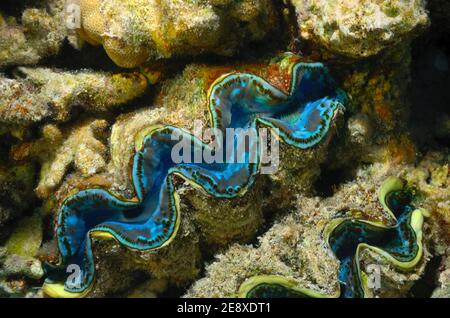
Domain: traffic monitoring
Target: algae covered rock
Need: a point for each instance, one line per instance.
(380, 107)
(40, 33)
(135, 31)
(359, 28)
(20, 265)
(16, 193)
(26, 238)
(443, 288)
(119, 269)
(149, 289)
(432, 177)
(20, 270)
(19, 274)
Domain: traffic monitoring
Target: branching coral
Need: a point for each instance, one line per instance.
(57, 150)
(47, 93)
(236, 100)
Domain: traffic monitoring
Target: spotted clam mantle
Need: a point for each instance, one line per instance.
(398, 240)
(236, 100)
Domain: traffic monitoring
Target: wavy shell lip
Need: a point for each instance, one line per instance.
(236, 100)
(407, 224)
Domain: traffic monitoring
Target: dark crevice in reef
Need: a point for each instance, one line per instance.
(12, 203)
(430, 89)
(16, 7)
(430, 95)
(88, 57)
(10, 72)
(335, 171)
(288, 35)
(430, 111)
(424, 287)
(173, 292)
(330, 179)
(6, 141)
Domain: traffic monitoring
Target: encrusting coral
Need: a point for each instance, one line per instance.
(135, 31)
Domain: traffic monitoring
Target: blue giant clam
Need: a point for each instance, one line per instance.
(242, 101)
(399, 241)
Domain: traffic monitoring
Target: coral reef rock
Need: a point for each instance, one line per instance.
(443, 289)
(135, 31)
(359, 28)
(19, 275)
(27, 236)
(49, 93)
(432, 177)
(40, 33)
(16, 193)
(115, 147)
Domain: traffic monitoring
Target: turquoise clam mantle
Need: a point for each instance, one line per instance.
(236, 100)
(398, 241)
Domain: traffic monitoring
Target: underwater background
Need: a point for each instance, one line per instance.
(355, 93)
